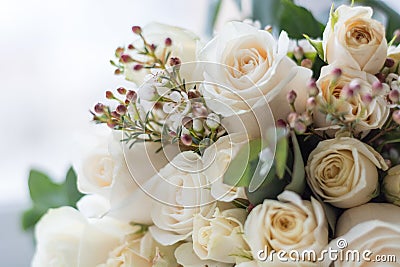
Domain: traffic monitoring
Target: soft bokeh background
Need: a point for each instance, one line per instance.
(53, 67)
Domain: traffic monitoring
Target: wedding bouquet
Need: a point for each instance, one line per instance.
(253, 149)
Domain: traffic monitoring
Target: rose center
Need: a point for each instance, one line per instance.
(359, 35)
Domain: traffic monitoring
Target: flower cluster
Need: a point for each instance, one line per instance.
(204, 166)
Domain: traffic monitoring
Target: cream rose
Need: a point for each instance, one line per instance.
(343, 171)
(179, 192)
(391, 185)
(288, 224)
(216, 159)
(184, 46)
(372, 115)
(186, 256)
(245, 68)
(353, 39)
(114, 171)
(66, 238)
(373, 227)
(220, 237)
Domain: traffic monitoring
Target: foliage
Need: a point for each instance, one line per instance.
(46, 194)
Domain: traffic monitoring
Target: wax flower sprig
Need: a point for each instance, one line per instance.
(177, 113)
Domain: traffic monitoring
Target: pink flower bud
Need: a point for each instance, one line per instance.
(109, 95)
(115, 114)
(389, 62)
(291, 97)
(131, 47)
(137, 67)
(186, 140)
(137, 29)
(307, 63)
(377, 88)
(99, 108)
(396, 116)
(336, 72)
(126, 58)
(121, 90)
(174, 61)
(381, 77)
(300, 127)
(168, 42)
(187, 122)
(281, 123)
(396, 33)
(311, 103)
(131, 96)
(355, 85)
(121, 109)
(111, 124)
(394, 96)
(298, 53)
(292, 119)
(312, 88)
(367, 98)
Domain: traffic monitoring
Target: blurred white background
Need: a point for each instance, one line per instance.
(54, 67)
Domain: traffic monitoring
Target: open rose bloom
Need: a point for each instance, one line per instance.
(251, 149)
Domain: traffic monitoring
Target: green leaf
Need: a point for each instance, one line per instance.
(269, 189)
(71, 187)
(44, 192)
(281, 155)
(213, 11)
(285, 15)
(334, 16)
(298, 182)
(241, 169)
(317, 45)
(31, 217)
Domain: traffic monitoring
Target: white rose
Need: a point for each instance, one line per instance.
(186, 257)
(374, 227)
(114, 171)
(368, 116)
(216, 159)
(184, 46)
(180, 191)
(391, 185)
(141, 250)
(220, 237)
(66, 238)
(288, 224)
(343, 171)
(353, 39)
(246, 68)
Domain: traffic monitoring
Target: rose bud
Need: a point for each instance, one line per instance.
(109, 95)
(137, 67)
(389, 62)
(298, 53)
(391, 185)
